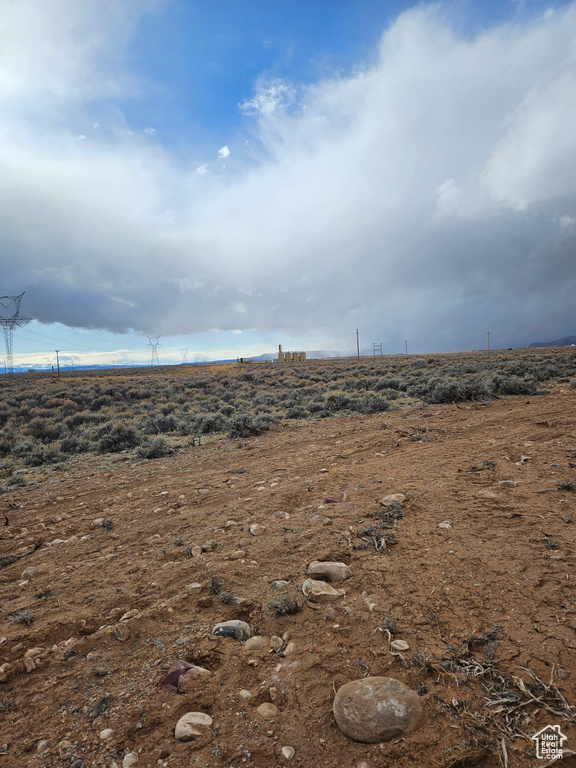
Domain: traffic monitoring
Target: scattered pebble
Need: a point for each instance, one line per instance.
(391, 498)
(288, 752)
(122, 632)
(192, 725)
(257, 529)
(399, 645)
(329, 571)
(130, 759)
(256, 643)
(321, 592)
(239, 630)
(268, 711)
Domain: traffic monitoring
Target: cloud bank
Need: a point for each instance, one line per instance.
(432, 195)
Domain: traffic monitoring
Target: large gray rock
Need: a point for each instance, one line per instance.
(376, 709)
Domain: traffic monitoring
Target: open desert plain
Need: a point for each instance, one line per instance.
(399, 517)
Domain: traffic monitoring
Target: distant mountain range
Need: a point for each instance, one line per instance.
(567, 341)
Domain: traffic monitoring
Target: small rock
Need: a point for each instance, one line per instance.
(42, 745)
(278, 585)
(320, 591)
(208, 546)
(276, 642)
(507, 484)
(399, 645)
(130, 759)
(34, 652)
(376, 709)
(178, 671)
(97, 523)
(189, 681)
(57, 541)
(244, 694)
(77, 763)
(192, 725)
(239, 630)
(257, 529)
(256, 643)
(132, 614)
(288, 752)
(106, 734)
(205, 602)
(194, 589)
(394, 497)
(290, 648)
(65, 746)
(329, 571)
(122, 632)
(27, 573)
(239, 554)
(445, 524)
(29, 665)
(268, 711)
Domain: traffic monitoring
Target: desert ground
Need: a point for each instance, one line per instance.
(114, 566)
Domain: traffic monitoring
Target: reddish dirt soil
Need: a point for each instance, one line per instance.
(504, 558)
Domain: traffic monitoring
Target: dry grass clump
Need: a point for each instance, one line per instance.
(501, 703)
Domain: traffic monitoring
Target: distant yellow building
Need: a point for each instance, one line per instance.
(290, 357)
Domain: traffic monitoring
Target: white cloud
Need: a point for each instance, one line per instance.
(436, 189)
(150, 131)
(268, 98)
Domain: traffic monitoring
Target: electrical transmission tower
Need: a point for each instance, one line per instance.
(153, 342)
(184, 354)
(10, 319)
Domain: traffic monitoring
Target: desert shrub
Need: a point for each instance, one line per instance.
(161, 423)
(119, 438)
(156, 448)
(243, 425)
(513, 385)
(370, 403)
(100, 402)
(336, 401)
(296, 412)
(73, 444)
(43, 430)
(44, 454)
(17, 481)
(211, 422)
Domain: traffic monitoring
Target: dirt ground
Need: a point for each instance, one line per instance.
(477, 577)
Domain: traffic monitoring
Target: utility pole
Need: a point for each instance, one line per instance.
(184, 351)
(406, 344)
(357, 346)
(488, 334)
(57, 364)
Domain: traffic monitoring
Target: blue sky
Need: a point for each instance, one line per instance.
(235, 174)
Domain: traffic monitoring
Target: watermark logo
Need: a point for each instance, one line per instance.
(549, 742)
